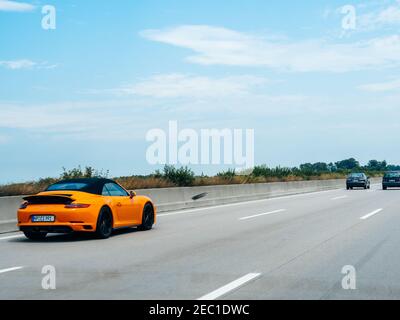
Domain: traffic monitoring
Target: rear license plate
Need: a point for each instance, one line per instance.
(392, 180)
(43, 218)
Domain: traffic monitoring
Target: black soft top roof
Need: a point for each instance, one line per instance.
(92, 185)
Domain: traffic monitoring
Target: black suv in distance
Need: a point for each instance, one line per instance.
(358, 180)
(391, 180)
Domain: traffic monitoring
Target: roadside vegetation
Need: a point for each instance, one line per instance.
(185, 177)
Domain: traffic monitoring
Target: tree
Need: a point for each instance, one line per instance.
(332, 167)
(306, 167)
(320, 167)
(375, 165)
(348, 164)
(392, 167)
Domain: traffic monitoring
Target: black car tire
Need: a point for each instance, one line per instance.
(31, 235)
(104, 227)
(384, 188)
(147, 218)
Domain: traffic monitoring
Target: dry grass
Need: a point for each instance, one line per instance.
(134, 183)
(21, 189)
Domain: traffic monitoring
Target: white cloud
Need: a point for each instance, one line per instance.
(390, 15)
(381, 87)
(25, 64)
(381, 17)
(221, 46)
(6, 5)
(80, 120)
(18, 64)
(181, 86)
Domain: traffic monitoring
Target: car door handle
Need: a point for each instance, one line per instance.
(119, 204)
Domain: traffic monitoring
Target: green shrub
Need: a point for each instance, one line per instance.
(182, 177)
(279, 172)
(227, 175)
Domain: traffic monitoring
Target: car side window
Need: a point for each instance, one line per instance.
(105, 192)
(115, 190)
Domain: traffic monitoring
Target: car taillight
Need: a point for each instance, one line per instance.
(77, 206)
(24, 205)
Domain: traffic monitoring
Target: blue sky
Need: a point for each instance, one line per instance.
(87, 92)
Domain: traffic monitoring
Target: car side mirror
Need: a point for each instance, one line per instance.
(132, 194)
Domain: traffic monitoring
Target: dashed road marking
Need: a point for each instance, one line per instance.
(262, 214)
(230, 287)
(369, 215)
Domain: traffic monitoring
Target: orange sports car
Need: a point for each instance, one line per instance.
(84, 205)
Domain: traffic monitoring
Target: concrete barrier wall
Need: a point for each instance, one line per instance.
(8, 210)
(170, 199)
(182, 198)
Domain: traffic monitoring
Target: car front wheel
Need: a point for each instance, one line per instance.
(147, 219)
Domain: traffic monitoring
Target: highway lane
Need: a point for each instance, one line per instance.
(291, 247)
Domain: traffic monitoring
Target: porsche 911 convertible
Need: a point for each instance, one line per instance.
(84, 205)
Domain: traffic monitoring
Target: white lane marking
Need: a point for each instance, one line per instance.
(261, 214)
(339, 198)
(12, 237)
(191, 211)
(10, 269)
(371, 214)
(229, 287)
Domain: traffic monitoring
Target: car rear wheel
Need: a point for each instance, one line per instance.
(104, 224)
(35, 235)
(384, 188)
(148, 218)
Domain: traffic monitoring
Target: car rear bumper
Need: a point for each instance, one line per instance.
(66, 220)
(56, 228)
(46, 229)
(356, 184)
(391, 184)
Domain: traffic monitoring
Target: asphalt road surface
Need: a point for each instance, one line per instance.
(292, 247)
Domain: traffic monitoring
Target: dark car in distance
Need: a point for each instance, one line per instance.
(358, 180)
(391, 180)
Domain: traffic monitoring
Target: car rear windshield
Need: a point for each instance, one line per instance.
(71, 186)
(357, 175)
(392, 175)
